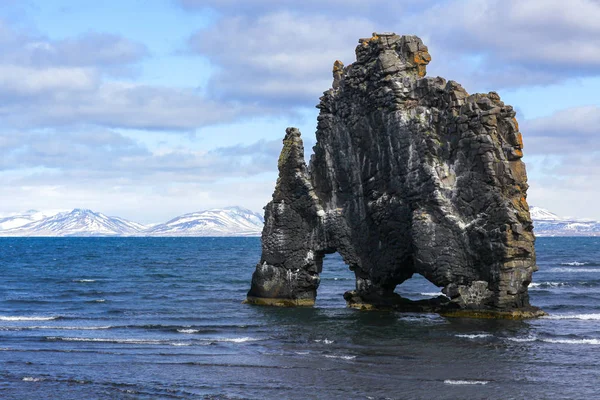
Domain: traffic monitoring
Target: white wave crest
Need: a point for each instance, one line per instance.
(573, 341)
(106, 340)
(118, 340)
(233, 340)
(19, 318)
(574, 263)
(188, 330)
(70, 328)
(464, 382)
(324, 341)
(574, 316)
(474, 336)
(84, 280)
(567, 270)
(340, 357)
(522, 339)
(32, 379)
(433, 294)
(546, 284)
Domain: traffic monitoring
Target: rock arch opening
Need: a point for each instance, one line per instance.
(418, 288)
(336, 279)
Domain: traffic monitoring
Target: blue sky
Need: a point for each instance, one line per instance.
(148, 109)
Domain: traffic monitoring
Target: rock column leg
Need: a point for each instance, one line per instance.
(288, 272)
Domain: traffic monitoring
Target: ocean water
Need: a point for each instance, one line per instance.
(147, 318)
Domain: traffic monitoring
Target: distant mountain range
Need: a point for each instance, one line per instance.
(229, 221)
(547, 223)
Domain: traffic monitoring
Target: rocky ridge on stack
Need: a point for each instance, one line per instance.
(409, 175)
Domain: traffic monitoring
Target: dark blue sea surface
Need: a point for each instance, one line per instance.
(147, 318)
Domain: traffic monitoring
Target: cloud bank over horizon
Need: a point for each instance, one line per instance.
(103, 110)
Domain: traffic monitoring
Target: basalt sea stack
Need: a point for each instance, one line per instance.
(409, 175)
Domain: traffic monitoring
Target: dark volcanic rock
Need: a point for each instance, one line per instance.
(409, 175)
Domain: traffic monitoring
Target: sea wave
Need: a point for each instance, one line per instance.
(464, 382)
(324, 341)
(66, 328)
(433, 294)
(105, 340)
(573, 341)
(188, 330)
(117, 340)
(474, 336)
(342, 357)
(233, 340)
(522, 339)
(84, 280)
(96, 301)
(580, 263)
(22, 318)
(574, 316)
(554, 340)
(547, 284)
(32, 379)
(567, 270)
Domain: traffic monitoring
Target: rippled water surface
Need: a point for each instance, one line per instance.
(162, 318)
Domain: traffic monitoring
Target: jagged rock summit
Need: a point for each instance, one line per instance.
(409, 175)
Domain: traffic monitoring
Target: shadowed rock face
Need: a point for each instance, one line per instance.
(409, 175)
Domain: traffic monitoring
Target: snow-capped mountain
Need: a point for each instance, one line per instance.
(546, 223)
(17, 220)
(229, 221)
(540, 214)
(79, 222)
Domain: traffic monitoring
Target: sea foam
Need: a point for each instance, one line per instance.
(20, 318)
(119, 341)
(522, 339)
(105, 340)
(69, 328)
(340, 357)
(533, 285)
(232, 340)
(464, 382)
(433, 294)
(188, 330)
(474, 336)
(32, 379)
(573, 341)
(567, 270)
(574, 316)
